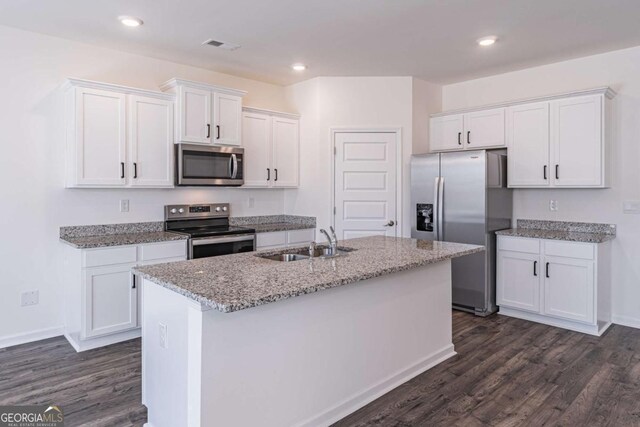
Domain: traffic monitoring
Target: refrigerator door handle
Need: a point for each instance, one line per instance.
(436, 209)
(441, 209)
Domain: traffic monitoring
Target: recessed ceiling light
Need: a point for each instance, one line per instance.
(487, 41)
(299, 67)
(130, 21)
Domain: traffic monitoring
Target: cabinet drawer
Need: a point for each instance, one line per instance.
(569, 249)
(109, 256)
(518, 244)
(300, 236)
(276, 238)
(163, 250)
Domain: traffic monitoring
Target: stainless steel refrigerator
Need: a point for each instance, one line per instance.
(463, 197)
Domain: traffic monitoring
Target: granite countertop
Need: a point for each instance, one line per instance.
(562, 230)
(240, 281)
(102, 241)
(271, 223)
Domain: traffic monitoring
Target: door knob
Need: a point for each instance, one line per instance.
(391, 223)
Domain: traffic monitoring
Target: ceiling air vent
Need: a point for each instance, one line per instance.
(222, 45)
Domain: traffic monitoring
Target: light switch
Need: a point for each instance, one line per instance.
(631, 206)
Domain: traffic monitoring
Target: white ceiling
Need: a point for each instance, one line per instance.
(430, 39)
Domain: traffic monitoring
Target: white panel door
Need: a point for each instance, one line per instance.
(227, 110)
(256, 140)
(285, 141)
(195, 115)
(110, 300)
(100, 138)
(518, 280)
(569, 289)
(445, 133)
(576, 138)
(365, 184)
(151, 142)
(528, 145)
(484, 129)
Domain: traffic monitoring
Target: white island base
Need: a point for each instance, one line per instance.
(303, 361)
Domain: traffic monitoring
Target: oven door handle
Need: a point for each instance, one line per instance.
(214, 240)
(235, 166)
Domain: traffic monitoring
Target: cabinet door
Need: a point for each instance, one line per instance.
(100, 138)
(528, 145)
(577, 141)
(109, 301)
(285, 143)
(227, 110)
(256, 139)
(151, 142)
(274, 239)
(518, 280)
(195, 115)
(569, 289)
(445, 133)
(484, 129)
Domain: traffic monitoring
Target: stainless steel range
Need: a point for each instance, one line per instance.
(208, 229)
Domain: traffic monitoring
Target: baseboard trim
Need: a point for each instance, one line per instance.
(595, 330)
(27, 337)
(361, 399)
(89, 344)
(631, 322)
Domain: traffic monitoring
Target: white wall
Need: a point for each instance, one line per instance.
(427, 99)
(621, 71)
(34, 202)
(333, 102)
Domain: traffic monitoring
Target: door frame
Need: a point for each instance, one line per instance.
(333, 131)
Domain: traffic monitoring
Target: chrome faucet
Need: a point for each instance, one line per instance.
(312, 249)
(333, 240)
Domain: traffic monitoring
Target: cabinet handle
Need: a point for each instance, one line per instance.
(276, 171)
(535, 268)
(459, 136)
(468, 137)
(218, 131)
(135, 170)
(268, 174)
(547, 270)
(133, 286)
(121, 169)
(208, 131)
(545, 172)
(557, 172)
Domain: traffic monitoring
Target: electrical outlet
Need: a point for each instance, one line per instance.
(252, 202)
(164, 343)
(124, 205)
(30, 298)
(631, 207)
(553, 205)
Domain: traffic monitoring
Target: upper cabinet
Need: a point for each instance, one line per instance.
(559, 141)
(478, 129)
(117, 136)
(206, 114)
(271, 142)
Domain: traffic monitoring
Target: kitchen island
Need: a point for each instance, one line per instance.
(243, 340)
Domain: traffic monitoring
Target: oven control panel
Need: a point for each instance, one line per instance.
(209, 210)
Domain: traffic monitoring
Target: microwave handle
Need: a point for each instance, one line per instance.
(234, 159)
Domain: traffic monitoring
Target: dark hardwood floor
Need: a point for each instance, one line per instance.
(508, 372)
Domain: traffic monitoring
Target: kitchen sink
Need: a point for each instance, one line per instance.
(321, 252)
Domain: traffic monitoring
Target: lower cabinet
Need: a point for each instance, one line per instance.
(283, 239)
(555, 282)
(102, 296)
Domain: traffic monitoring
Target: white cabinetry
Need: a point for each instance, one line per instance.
(117, 136)
(271, 141)
(283, 239)
(207, 114)
(563, 284)
(477, 129)
(102, 295)
(528, 145)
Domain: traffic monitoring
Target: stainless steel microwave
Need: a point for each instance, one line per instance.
(202, 165)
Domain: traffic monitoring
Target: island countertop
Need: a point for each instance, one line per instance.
(240, 281)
